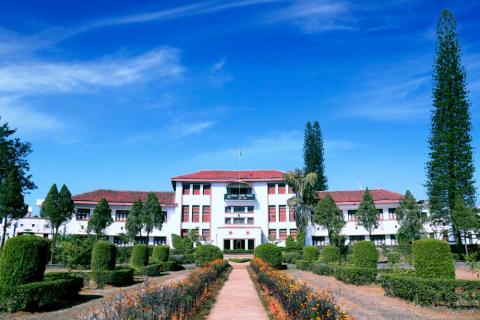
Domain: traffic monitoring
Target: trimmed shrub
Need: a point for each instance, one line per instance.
(207, 253)
(292, 245)
(269, 253)
(310, 253)
(330, 254)
(322, 269)
(355, 275)
(24, 259)
(432, 292)
(432, 259)
(169, 266)
(152, 270)
(103, 256)
(365, 254)
(48, 293)
(160, 254)
(393, 257)
(238, 251)
(303, 264)
(75, 251)
(139, 256)
(124, 254)
(291, 256)
(118, 277)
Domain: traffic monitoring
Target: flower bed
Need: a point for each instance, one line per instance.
(177, 300)
(297, 299)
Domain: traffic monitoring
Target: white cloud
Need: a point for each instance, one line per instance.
(37, 77)
(179, 130)
(217, 76)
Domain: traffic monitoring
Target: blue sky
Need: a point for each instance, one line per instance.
(126, 94)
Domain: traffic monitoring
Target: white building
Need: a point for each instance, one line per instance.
(231, 209)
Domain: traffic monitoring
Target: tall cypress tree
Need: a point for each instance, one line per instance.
(450, 166)
(313, 154)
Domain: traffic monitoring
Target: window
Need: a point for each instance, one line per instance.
(272, 214)
(271, 188)
(228, 220)
(206, 214)
(356, 238)
(121, 215)
(83, 214)
(206, 234)
(393, 240)
(391, 214)
(185, 189)
(142, 240)
(249, 220)
(238, 209)
(228, 209)
(380, 214)
(159, 241)
(290, 190)
(318, 241)
(238, 221)
(196, 189)
(195, 213)
(282, 210)
(293, 233)
(206, 189)
(185, 214)
(226, 244)
(119, 241)
(352, 215)
(184, 233)
(281, 188)
(291, 214)
(378, 239)
(283, 234)
(251, 244)
(250, 209)
(272, 234)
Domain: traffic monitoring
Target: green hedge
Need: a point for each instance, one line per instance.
(269, 253)
(432, 259)
(432, 292)
(140, 256)
(160, 254)
(365, 254)
(292, 245)
(152, 270)
(355, 275)
(104, 254)
(169, 266)
(48, 293)
(207, 253)
(304, 264)
(24, 259)
(238, 251)
(124, 254)
(322, 269)
(183, 258)
(310, 253)
(330, 254)
(291, 256)
(118, 277)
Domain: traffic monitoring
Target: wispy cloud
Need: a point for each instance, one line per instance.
(37, 77)
(217, 75)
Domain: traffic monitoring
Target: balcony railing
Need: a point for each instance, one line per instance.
(250, 197)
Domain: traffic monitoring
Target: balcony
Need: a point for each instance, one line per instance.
(239, 197)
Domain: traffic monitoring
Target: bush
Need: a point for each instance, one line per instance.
(322, 269)
(207, 253)
(152, 270)
(169, 266)
(238, 251)
(124, 254)
(24, 259)
(182, 245)
(355, 275)
(269, 253)
(432, 292)
(292, 245)
(118, 277)
(330, 254)
(365, 254)
(393, 257)
(310, 253)
(75, 251)
(291, 256)
(432, 259)
(103, 256)
(160, 254)
(303, 264)
(139, 257)
(48, 293)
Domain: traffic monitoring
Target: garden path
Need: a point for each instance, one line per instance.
(76, 310)
(369, 302)
(238, 299)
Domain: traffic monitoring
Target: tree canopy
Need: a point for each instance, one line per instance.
(134, 224)
(313, 154)
(410, 218)
(152, 214)
(367, 214)
(328, 215)
(101, 218)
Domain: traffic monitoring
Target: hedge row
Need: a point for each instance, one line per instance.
(346, 274)
(432, 292)
(291, 256)
(156, 269)
(297, 299)
(104, 254)
(177, 300)
(269, 253)
(118, 277)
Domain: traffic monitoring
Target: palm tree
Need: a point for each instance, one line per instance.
(305, 196)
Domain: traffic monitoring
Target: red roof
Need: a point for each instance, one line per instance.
(232, 175)
(123, 197)
(355, 196)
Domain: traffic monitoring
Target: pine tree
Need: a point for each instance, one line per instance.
(134, 225)
(152, 215)
(12, 205)
(450, 167)
(367, 214)
(328, 215)
(410, 218)
(101, 218)
(313, 154)
(51, 208)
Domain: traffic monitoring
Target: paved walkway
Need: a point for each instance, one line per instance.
(238, 299)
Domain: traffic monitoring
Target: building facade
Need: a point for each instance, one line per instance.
(230, 209)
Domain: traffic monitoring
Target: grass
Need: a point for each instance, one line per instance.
(239, 260)
(261, 294)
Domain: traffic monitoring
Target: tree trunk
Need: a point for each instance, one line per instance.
(4, 233)
(148, 237)
(54, 235)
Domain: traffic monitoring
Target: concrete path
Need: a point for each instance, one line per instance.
(238, 299)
